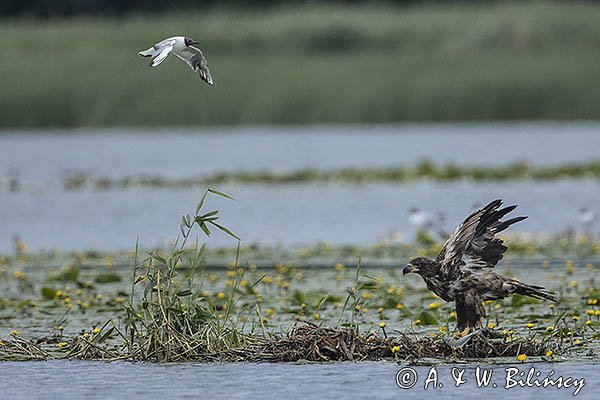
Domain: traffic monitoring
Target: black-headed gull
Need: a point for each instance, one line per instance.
(182, 47)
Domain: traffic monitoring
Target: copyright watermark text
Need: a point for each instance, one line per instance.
(507, 378)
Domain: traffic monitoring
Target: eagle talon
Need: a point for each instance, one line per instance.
(462, 333)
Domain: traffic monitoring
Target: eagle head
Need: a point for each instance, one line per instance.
(423, 266)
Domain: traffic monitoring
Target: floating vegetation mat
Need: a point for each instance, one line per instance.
(304, 343)
(189, 304)
(424, 170)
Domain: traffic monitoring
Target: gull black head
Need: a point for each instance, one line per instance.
(422, 266)
(189, 41)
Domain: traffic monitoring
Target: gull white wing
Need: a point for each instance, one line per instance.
(160, 55)
(194, 58)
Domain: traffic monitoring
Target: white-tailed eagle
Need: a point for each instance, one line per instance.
(463, 269)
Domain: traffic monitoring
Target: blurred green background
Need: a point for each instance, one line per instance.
(75, 63)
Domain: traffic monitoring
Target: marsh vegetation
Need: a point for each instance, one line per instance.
(185, 303)
(494, 61)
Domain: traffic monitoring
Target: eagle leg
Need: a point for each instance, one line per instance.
(469, 311)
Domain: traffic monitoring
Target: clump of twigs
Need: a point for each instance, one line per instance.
(313, 343)
(19, 349)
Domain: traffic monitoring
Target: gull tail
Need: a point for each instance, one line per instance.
(537, 292)
(147, 53)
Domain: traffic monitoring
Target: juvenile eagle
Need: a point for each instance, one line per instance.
(462, 270)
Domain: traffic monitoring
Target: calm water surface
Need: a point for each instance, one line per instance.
(97, 380)
(45, 216)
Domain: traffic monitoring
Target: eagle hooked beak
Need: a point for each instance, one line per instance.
(409, 268)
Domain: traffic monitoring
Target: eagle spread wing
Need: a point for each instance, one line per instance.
(474, 244)
(462, 271)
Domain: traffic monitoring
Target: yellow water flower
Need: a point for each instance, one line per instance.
(1, 343)
(590, 312)
(416, 322)
(522, 357)
(549, 353)
(119, 300)
(316, 316)
(549, 328)
(443, 329)
(379, 310)
(231, 274)
(20, 275)
(15, 332)
(96, 330)
(268, 279)
(573, 284)
(243, 283)
(62, 345)
(357, 307)
(588, 322)
(592, 302)
(529, 325)
(577, 341)
(575, 318)
(434, 306)
(597, 313)
(270, 312)
(220, 295)
(570, 267)
(491, 325)
(367, 295)
(382, 324)
(339, 267)
(391, 289)
(399, 306)
(395, 349)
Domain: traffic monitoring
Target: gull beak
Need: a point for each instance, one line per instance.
(193, 42)
(408, 269)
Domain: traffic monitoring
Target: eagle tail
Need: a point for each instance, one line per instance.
(537, 292)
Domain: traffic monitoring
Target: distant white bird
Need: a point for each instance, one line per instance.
(182, 47)
(420, 219)
(587, 218)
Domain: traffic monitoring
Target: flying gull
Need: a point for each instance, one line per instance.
(182, 47)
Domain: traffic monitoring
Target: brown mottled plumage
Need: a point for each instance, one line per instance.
(461, 271)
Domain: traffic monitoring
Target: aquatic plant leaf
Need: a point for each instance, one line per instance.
(227, 231)
(214, 191)
(68, 272)
(107, 278)
(48, 293)
(427, 318)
